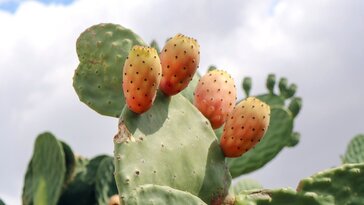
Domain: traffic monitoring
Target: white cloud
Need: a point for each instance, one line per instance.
(318, 45)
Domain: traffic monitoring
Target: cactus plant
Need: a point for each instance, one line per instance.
(56, 176)
(170, 154)
(44, 181)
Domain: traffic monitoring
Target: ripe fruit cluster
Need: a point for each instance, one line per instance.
(145, 71)
(215, 95)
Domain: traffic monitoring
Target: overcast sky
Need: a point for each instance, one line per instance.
(318, 45)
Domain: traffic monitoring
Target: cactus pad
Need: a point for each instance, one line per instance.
(105, 185)
(162, 195)
(246, 184)
(355, 150)
(46, 172)
(81, 190)
(281, 197)
(172, 145)
(70, 162)
(102, 50)
(344, 183)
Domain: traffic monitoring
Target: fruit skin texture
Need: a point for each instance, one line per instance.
(141, 78)
(246, 125)
(215, 96)
(180, 58)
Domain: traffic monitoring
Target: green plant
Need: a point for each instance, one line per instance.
(170, 154)
(55, 175)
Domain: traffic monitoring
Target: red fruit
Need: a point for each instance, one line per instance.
(141, 78)
(180, 58)
(215, 96)
(245, 126)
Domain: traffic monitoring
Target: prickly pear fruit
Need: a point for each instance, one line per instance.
(244, 128)
(142, 74)
(215, 96)
(180, 58)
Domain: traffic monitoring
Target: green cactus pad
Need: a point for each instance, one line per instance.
(162, 195)
(344, 183)
(105, 186)
(281, 197)
(277, 137)
(247, 85)
(155, 45)
(271, 99)
(1, 202)
(355, 150)
(189, 91)
(173, 145)
(70, 162)
(46, 172)
(246, 184)
(218, 132)
(27, 194)
(81, 190)
(102, 50)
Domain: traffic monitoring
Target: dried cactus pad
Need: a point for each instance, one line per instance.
(102, 50)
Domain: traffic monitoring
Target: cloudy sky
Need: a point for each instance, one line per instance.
(316, 44)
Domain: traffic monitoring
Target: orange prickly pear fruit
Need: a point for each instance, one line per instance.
(215, 96)
(180, 58)
(141, 78)
(245, 127)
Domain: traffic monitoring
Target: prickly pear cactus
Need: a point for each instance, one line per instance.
(46, 172)
(70, 160)
(56, 176)
(355, 150)
(102, 50)
(105, 185)
(281, 197)
(345, 184)
(171, 145)
(280, 132)
(93, 183)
